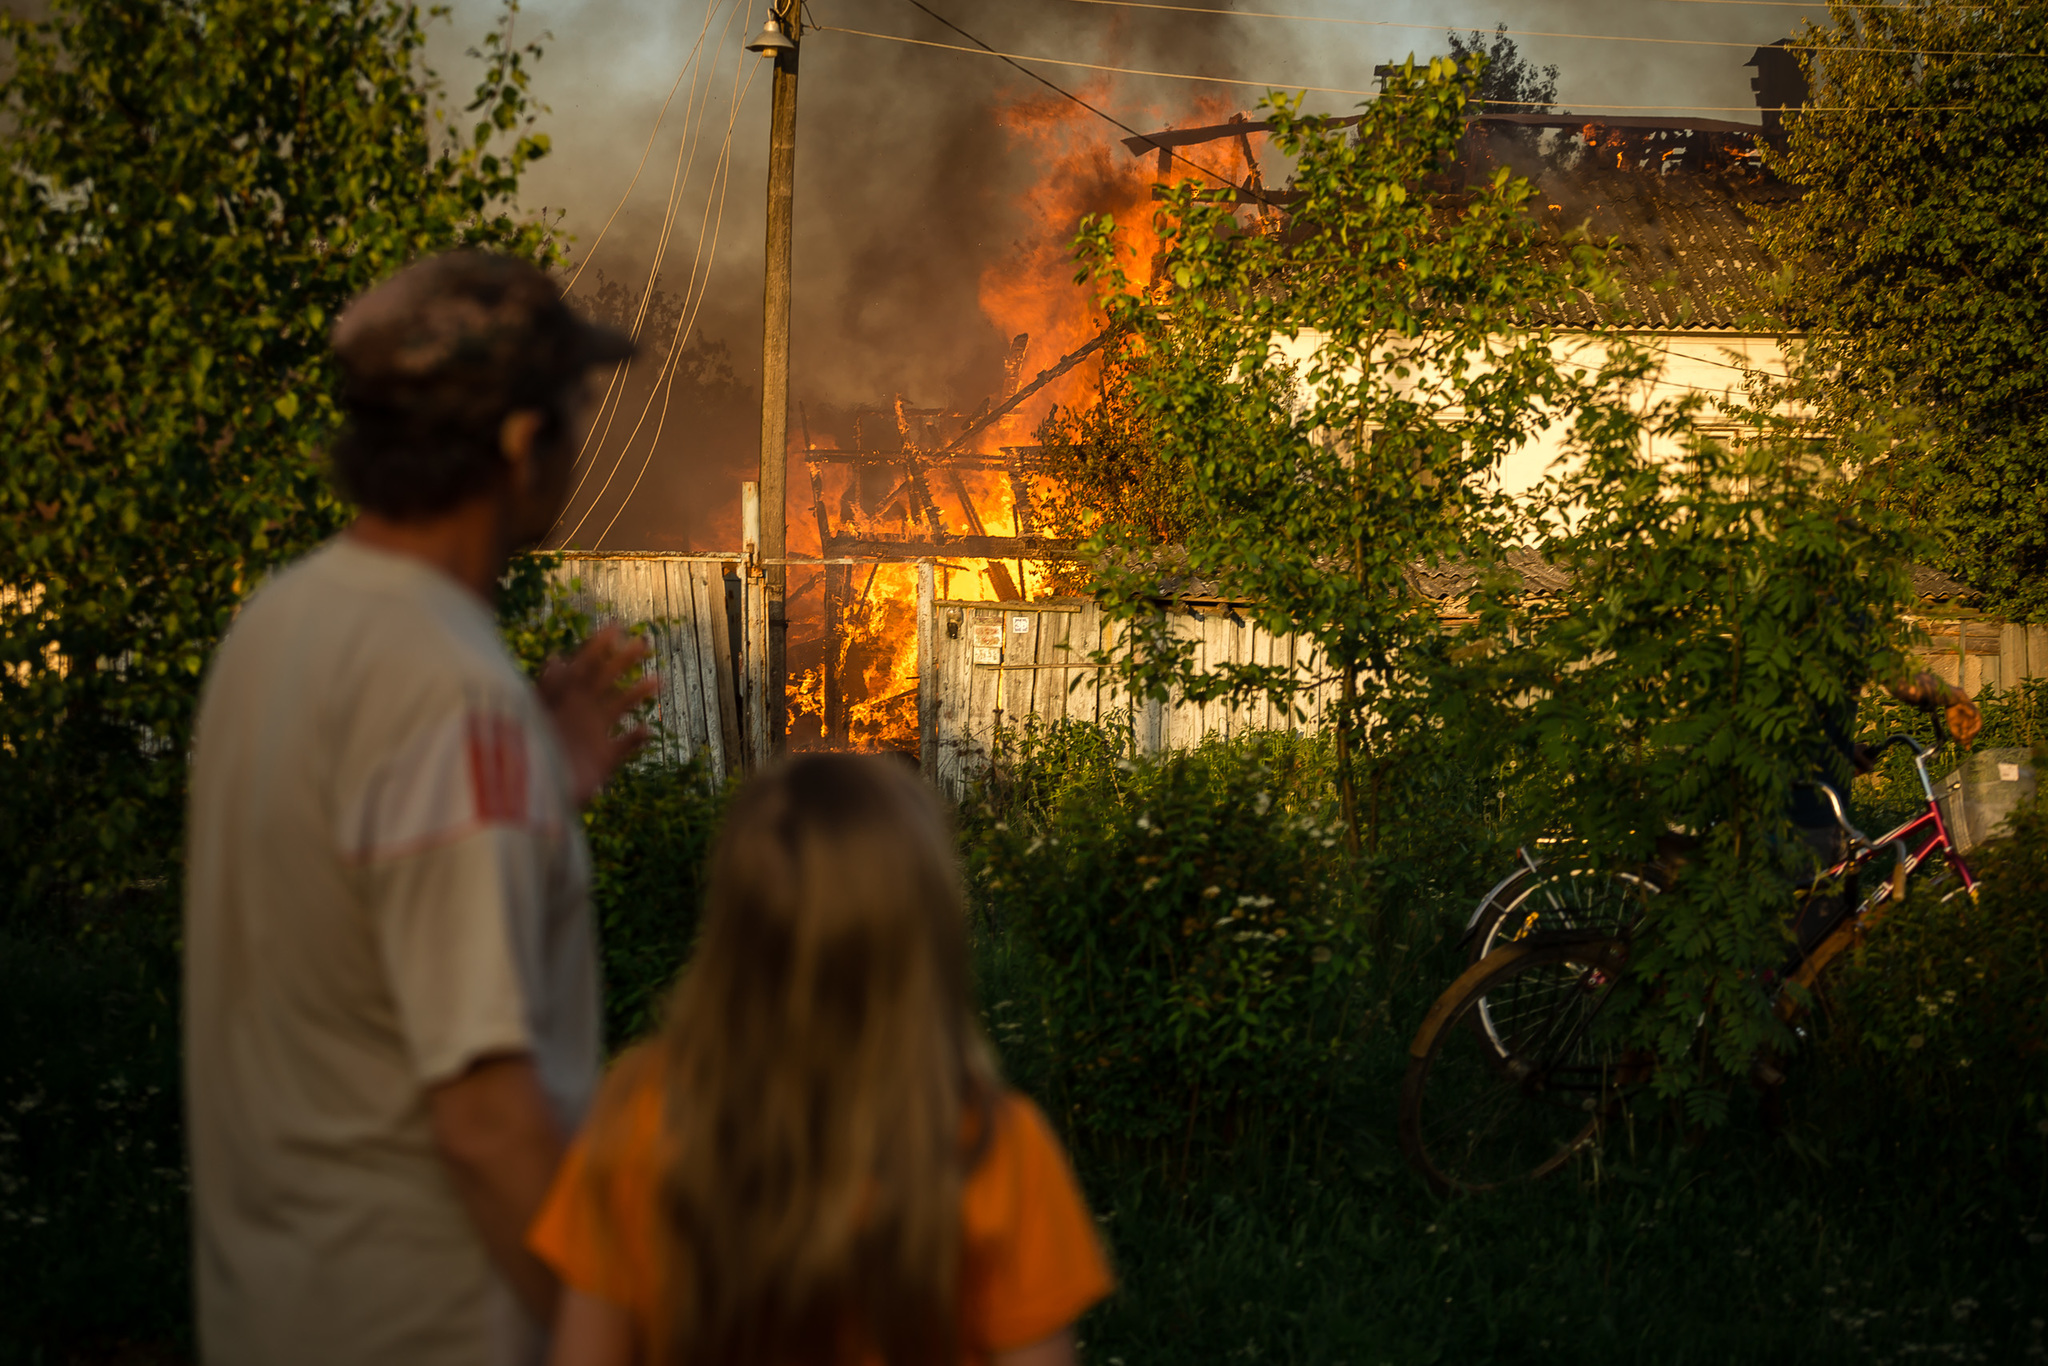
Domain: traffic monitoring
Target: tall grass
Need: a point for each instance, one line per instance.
(94, 1242)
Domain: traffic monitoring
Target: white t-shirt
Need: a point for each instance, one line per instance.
(387, 881)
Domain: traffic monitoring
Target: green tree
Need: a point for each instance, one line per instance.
(1913, 269)
(1103, 467)
(1333, 400)
(189, 191)
(1509, 83)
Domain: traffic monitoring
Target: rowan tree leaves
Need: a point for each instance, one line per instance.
(1330, 402)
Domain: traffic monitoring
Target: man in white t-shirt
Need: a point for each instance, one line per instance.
(391, 981)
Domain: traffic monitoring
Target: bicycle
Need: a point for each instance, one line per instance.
(1508, 1078)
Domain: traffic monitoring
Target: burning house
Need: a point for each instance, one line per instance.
(920, 614)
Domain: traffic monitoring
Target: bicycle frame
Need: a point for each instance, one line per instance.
(1928, 829)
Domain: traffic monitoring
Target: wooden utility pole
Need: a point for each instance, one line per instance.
(786, 16)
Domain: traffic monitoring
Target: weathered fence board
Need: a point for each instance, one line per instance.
(1040, 673)
(985, 665)
(707, 702)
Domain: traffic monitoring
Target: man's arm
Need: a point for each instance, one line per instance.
(501, 1142)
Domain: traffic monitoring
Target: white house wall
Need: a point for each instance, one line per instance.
(1709, 364)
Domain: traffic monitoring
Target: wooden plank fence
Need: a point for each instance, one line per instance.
(696, 611)
(985, 665)
(1978, 654)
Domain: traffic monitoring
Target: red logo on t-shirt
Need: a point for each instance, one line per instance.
(497, 769)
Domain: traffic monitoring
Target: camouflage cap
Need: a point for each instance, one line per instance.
(466, 330)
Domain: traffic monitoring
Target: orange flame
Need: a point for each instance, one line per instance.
(1081, 170)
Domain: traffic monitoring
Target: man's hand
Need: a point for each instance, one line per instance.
(1928, 691)
(587, 697)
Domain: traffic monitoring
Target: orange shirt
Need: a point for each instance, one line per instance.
(1033, 1262)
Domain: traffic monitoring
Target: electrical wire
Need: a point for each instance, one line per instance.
(685, 326)
(1057, 90)
(614, 390)
(1015, 57)
(689, 63)
(600, 425)
(1535, 33)
(615, 393)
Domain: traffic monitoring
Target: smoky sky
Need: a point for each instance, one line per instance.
(910, 187)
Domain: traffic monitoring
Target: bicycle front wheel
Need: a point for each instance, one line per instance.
(1510, 1075)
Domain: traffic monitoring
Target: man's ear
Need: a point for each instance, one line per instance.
(518, 443)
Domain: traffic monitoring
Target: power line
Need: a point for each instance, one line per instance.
(1013, 58)
(1057, 90)
(689, 64)
(1534, 33)
(684, 326)
(686, 159)
(622, 369)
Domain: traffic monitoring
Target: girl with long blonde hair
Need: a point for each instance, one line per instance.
(814, 1162)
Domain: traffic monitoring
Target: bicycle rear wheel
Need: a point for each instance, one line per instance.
(1512, 1093)
(1554, 901)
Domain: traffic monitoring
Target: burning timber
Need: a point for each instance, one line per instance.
(889, 512)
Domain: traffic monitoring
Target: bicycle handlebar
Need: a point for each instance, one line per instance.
(1834, 800)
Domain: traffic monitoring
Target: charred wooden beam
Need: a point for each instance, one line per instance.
(953, 547)
(1012, 457)
(1235, 195)
(1020, 499)
(1043, 378)
(1214, 132)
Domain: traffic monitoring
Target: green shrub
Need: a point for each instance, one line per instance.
(190, 193)
(94, 1233)
(1943, 1011)
(1198, 956)
(650, 832)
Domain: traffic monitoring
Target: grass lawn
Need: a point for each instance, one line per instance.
(1733, 1250)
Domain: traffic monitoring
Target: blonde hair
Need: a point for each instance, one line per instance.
(821, 1065)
